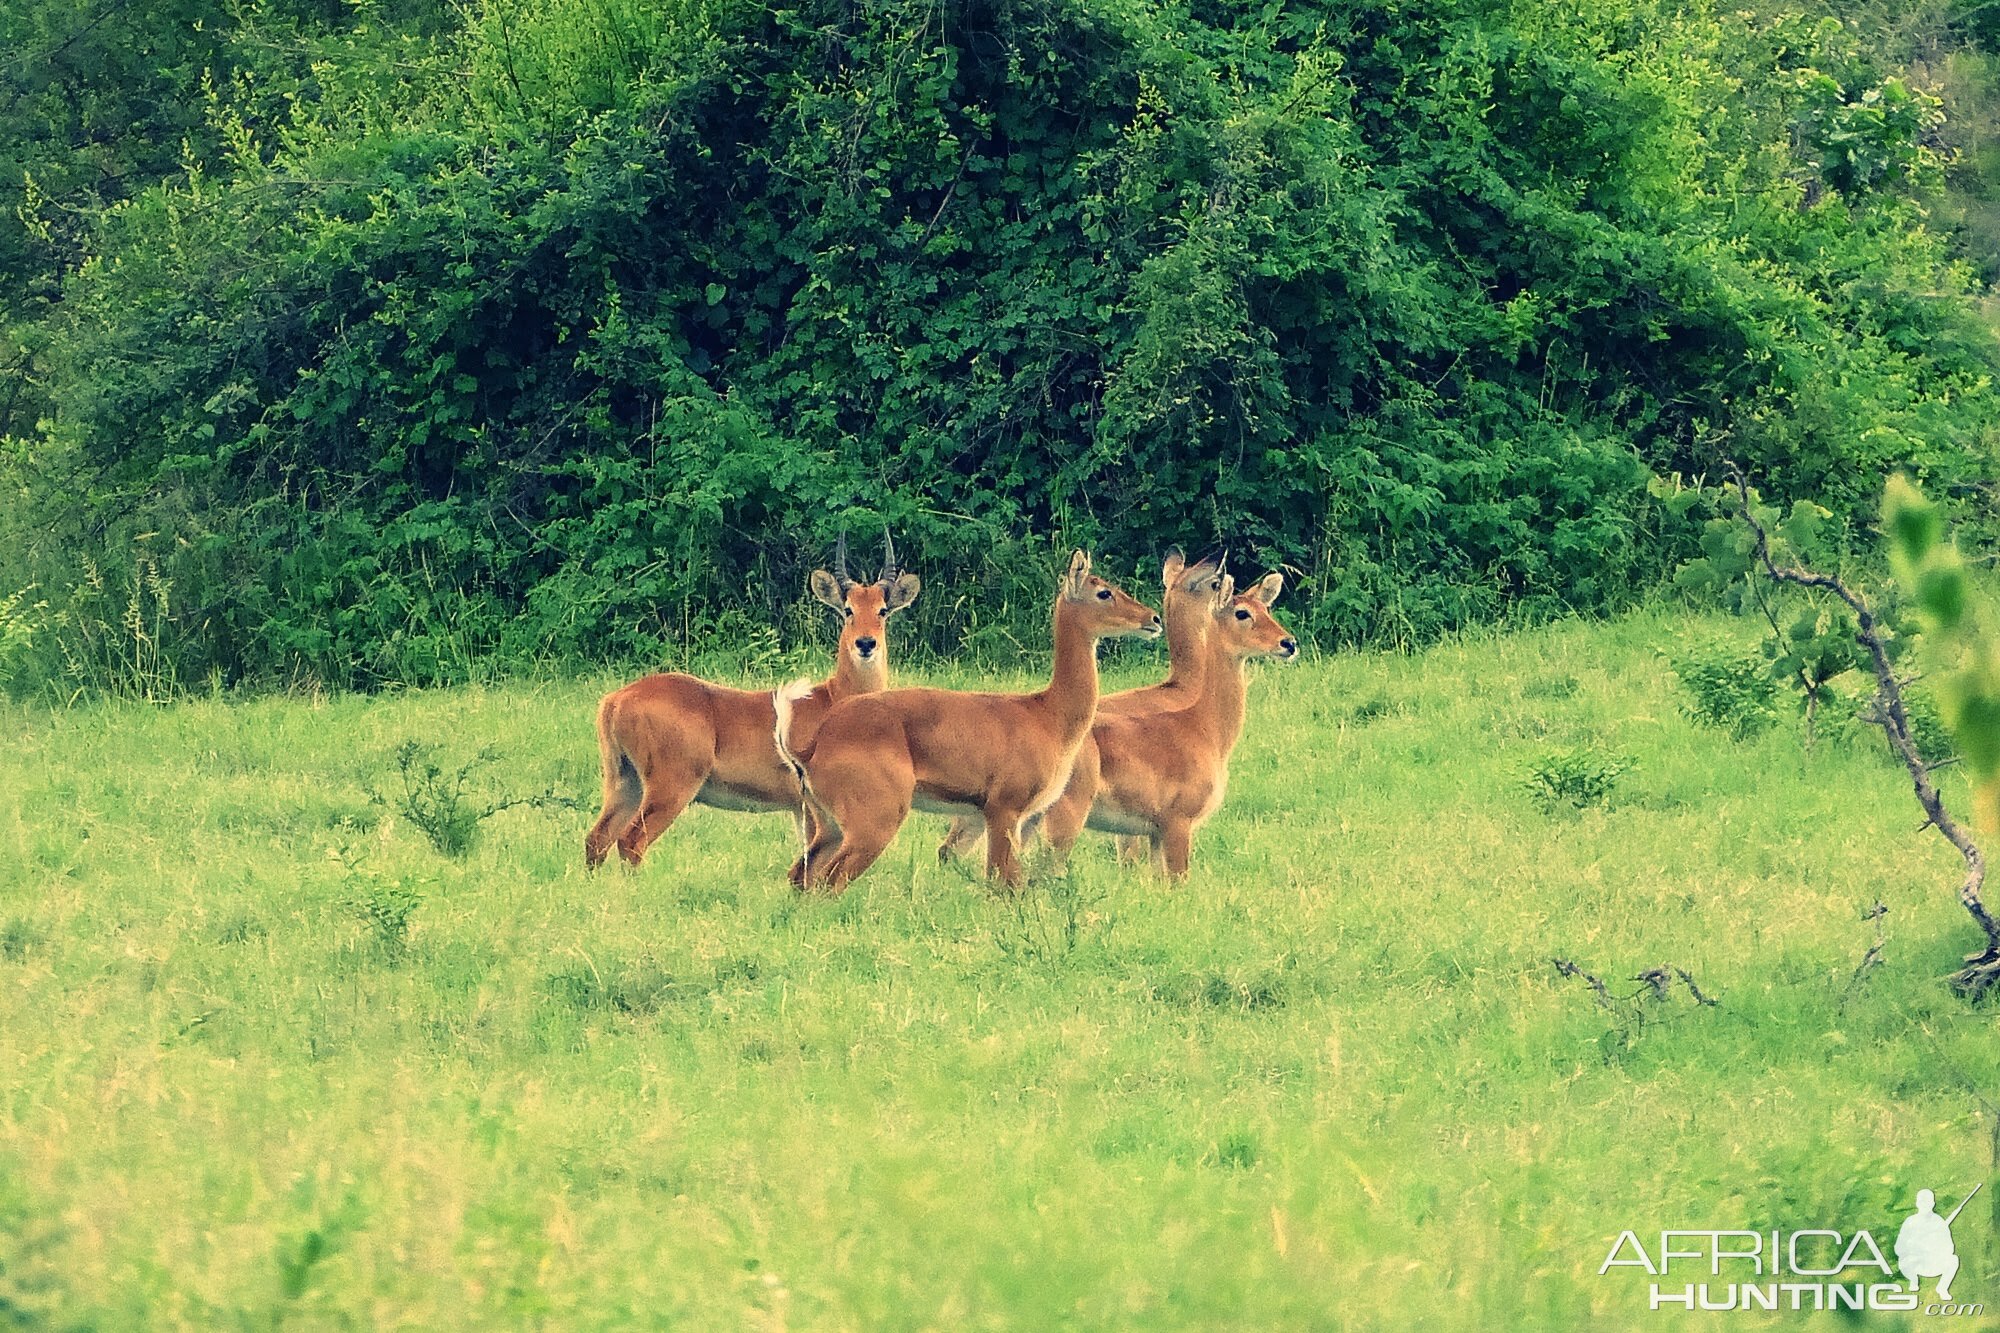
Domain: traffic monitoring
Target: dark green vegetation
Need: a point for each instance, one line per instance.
(395, 343)
(273, 1060)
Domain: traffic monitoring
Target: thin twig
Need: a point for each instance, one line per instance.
(1569, 969)
(1693, 989)
(1873, 957)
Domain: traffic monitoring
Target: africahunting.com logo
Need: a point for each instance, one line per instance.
(1781, 1270)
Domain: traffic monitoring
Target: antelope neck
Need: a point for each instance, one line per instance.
(1222, 694)
(1072, 690)
(1187, 642)
(850, 677)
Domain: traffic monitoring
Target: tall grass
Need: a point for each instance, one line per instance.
(1331, 1081)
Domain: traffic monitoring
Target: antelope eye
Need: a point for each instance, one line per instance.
(1104, 594)
(849, 610)
(1242, 615)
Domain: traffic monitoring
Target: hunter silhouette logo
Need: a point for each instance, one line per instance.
(1923, 1246)
(1809, 1268)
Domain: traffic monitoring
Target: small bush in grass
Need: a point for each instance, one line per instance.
(387, 906)
(440, 802)
(1582, 776)
(1235, 1151)
(1051, 920)
(17, 937)
(434, 798)
(18, 620)
(638, 988)
(383, 902)
(1730, 690)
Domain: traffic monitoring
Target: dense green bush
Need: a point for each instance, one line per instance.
(1578, 777)
(1729, 689)
(575, 331)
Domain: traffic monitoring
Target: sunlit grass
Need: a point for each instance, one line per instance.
(1331, 1081)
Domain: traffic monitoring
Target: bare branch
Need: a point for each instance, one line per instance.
(1569, 969)
(1983, 968)
(1693, 989)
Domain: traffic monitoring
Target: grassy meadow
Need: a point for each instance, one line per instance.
(268, 1058)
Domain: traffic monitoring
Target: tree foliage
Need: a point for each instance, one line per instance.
(574, 329)
(1963, 642)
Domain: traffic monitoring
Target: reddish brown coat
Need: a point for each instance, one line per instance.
(1161, 775)
(1001, 756)
(672, 739)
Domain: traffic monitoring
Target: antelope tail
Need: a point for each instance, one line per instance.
(610, 752)
(783, 701)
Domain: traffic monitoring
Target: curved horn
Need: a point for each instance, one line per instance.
(890, 569)
(840, 562)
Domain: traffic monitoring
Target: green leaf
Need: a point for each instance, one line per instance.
(1913, 523)
(1801, 530)
(1942, 590)
(1974, 719)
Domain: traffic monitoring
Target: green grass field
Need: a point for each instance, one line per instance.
(1332, 1081)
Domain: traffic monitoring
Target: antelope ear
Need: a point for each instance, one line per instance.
(1268, 588)
(826, 588)
(1079, 570)
(1224, 593)
(902, 592)
(1170, 572)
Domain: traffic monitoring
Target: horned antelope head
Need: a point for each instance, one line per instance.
(1244, 624)
(865, 608)
(1190, 588)
(1107, 610)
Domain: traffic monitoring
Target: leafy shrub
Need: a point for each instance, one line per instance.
(1810, 641)
(1816, 648)
(434, 799)
(1580, 777)
(17, 633)
(384, 903)
(1053, 920)
(1728, 689)
(17, 937)
(387, 906)
(440, 803)
(484, 377)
